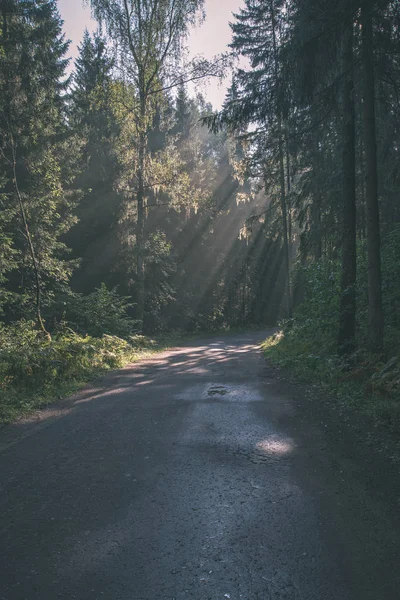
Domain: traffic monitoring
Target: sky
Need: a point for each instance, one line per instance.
(209, 39)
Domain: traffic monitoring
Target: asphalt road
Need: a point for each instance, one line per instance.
(200, 474)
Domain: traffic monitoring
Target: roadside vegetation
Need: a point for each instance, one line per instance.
(36, 370)
(129, 208)
(307, 344)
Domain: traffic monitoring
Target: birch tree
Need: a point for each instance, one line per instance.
(148, 37)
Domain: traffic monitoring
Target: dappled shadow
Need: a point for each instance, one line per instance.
(83, 482)
(173, 479)
(198, 358)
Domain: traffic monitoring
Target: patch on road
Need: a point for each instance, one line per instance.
(227, 391)
(217, 390)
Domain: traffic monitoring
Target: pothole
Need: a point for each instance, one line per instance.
(217, 390)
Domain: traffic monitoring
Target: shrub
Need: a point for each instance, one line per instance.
(307, 344)
(102, 311)
(33, 370)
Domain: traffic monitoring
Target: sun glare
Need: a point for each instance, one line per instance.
(275, 446)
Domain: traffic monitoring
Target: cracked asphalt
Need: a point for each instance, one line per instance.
(200, 474)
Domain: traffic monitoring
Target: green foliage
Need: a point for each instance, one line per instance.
(35, 143)
(391, 287)
(317, 315)
(364, 383)
(307, 343)
(160, 292)
(212, 320)
(390, 291)
(34, 371)
(95, 237)
(103, 311)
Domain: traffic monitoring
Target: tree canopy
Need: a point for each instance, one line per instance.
(128, 200)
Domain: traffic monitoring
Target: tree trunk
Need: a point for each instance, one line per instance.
(289, 202)
(316, 225)
(347, 318)
(375, 315)
(316, 238)
(286, 250)
(140, 241)
(31, 250)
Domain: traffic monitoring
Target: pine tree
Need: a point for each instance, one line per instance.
(347, 321)
(375, 314)
(33, 144)
(95, 239)
(261, 99)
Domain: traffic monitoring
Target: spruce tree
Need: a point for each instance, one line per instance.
(37, 169)
(95, 239)
(261, 100)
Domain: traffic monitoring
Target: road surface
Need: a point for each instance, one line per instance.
(200, 474)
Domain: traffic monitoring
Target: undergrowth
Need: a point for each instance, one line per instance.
(35, 371)
(370, 384)
(307, 344)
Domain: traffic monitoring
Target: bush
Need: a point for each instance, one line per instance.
(33, 370)
(316, 318)
(102, 311)
(307, 344)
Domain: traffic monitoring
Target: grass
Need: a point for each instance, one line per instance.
(367, 383)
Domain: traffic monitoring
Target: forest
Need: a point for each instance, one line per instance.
(133, 210)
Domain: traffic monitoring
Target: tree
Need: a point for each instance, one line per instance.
(96, 238)
(375, 315)
(259, 97)
(347, 318)
(33, 140)
(149, 36)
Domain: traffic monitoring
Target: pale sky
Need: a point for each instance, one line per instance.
(210, 39)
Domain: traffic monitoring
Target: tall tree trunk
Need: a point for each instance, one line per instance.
(282, 186)
(375, 314)
(285, 228)
(31, 250)
(316, 225)
(347, 318)
(289, 203)
(316, 238)
(140, 198)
